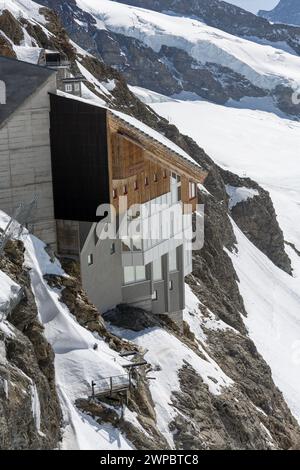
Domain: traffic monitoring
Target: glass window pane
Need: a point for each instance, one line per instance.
(157, 270)
(140, 273)
(173, 261)
(129, 275)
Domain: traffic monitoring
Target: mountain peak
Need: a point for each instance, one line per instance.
(287, 11)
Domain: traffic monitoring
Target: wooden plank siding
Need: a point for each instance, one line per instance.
(140, 167)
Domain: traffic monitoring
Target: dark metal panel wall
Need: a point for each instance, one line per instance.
(79, 158)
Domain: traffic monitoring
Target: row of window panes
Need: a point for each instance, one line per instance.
(134, 274)
(69, 87)
(135, 184)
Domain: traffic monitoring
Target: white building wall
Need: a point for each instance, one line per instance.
(25, 161)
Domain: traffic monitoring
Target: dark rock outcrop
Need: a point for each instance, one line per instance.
(5, 48)
(287, 11)
(257, 219)
(171, 70)
(11, 27)
(30, 413)
(230, 18)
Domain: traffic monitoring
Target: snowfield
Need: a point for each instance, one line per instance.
(167, 355)
(249, 142)
(77, 363)
(262, 65)
(264, 147)
(272, 301)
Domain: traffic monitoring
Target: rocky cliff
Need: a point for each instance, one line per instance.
(234, 20)
(170, 70)
(235, 403)
(287, 11)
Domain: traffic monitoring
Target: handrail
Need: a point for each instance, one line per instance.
(109, 385)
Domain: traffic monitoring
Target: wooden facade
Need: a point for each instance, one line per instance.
(140, 167)
(98, 157)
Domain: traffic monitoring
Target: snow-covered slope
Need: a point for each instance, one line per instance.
(257, 144)
(263, 66)
(77, 360)
(272, 301)
(263, 146)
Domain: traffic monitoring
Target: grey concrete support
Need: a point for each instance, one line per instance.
(25, 162)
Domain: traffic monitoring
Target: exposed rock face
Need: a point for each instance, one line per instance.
(287, 11)
(171, 70)
(232, 19)
(212, 422)
(30, 414)
(5, 48)
(256, 217)
(11, 27)
(230, 420)
(251, 414)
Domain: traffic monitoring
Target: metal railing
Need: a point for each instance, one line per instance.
(110, 385)
(16, 223)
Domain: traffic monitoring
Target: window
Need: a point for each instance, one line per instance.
(129, 275)
(172, 224)
(192, 190)
(171, 285)
(155, 178)
(134, 274)
(115, 193)
(90, 260)
(125, 189)
(135, 185)
(164, 174)
(68, 87)
(175, 188)
(77, 87)
(157, 270)
(146, 181)
(112, 248)
(173, 261)
(155, 295)
(140, 273)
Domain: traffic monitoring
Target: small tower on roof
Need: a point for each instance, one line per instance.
(58, 61)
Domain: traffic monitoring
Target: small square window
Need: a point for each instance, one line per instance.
(115, 193)
(146, 181)
(77, 87)
(125, 189)
(112, 248)
(155, 177)
(68, 87)
(155, 295)
(90, 260)
(171, 286)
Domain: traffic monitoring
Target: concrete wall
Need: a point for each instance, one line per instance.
(25, 162)
(104, 283)
(104, 278)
